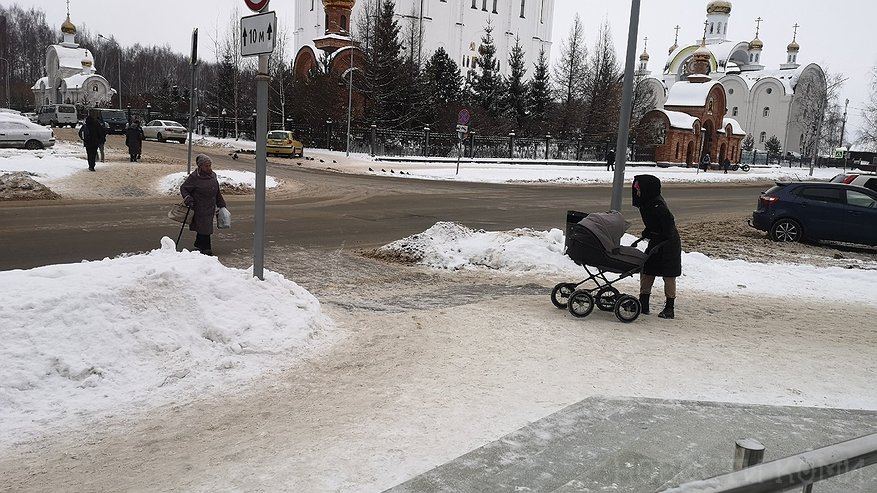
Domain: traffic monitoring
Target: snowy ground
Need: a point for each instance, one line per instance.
(390, 394)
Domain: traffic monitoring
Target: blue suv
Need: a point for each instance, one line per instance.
(818, 211)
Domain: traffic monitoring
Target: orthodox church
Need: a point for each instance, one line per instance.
(753, 99)
(70, 75)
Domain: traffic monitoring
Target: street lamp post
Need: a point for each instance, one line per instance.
(254, 124)
(119, 54)
(8, 72)
(148, 110)
(222, 124)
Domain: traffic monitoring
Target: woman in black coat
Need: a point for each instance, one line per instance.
(662, 234)
(92, 135)
(134, 140)
(201, 192)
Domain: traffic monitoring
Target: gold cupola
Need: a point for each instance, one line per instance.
(718, 7)
(67, 27)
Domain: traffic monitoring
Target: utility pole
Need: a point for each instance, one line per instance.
(843, 125)
(626, 104)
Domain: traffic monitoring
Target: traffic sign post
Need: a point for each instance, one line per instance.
(461, 134)
(258, 37)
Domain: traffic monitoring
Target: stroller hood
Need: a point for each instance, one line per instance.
(608, 227)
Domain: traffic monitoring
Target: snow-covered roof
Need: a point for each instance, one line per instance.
(77, 81)
(679, 119)
(71, 57)
(43, 80)
(788, 78)
(684, 93)
(736, 128)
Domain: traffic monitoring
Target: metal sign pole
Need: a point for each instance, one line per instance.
(626, 103)
(192, 105)
(262, 79)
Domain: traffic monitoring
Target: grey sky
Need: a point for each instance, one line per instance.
(836, 34)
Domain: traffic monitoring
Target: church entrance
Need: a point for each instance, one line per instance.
(689, 153)
(709, 132)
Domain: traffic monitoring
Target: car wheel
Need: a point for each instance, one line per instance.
(160, 137)
(33, 144)
(786, 230)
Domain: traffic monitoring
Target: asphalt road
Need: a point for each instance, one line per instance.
(327, 211)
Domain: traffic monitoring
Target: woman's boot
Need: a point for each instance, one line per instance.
(644, 303)
(667, 312)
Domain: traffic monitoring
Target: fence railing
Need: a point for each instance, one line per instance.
(797, 471)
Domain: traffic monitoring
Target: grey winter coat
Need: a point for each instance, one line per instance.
(204, 190)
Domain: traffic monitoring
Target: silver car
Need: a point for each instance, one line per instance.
(18, 131)
(162, 130)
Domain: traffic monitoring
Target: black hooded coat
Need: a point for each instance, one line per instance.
(660, 228)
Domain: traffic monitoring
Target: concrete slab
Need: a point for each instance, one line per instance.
(645, 445)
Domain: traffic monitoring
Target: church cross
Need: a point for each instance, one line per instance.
(676, 41)
(646, 43)
(795, 35)
(68, 8)
(705, 24)
(758, 25)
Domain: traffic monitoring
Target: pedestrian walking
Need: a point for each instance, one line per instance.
(134, 140)
(726, 165)
(660, 231)
(705, 162)
(201, 192)
(92, 134)
(610, 160)
(103, 141)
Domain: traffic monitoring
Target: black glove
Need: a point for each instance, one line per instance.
(189, 201)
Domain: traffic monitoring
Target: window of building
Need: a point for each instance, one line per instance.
(762, 137)
(757, 57)
(677, 150)
(523, 5)
(494, 6)
(542, 13)
(719, 30)
(484, 5)
(765, 111)
(730, 91)
(709, 106)
(735, 111)
(769, 90)
(343, 23)
(726, 29)
(474, 4)
(312, 5)
(751, 58)
(327, 22)
(712, 25)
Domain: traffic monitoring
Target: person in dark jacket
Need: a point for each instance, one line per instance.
(92, 135)
(134, 140)
(201, 192)
(610, 159)
(660, 231)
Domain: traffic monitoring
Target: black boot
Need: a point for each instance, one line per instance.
(644, 303)
(667, 312)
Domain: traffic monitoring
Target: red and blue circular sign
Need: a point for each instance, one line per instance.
(463, 117)
(256, 5)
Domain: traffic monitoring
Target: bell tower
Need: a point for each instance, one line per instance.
(337, 33)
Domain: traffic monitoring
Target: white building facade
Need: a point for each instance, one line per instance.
(455, 25)
(767, 102)
(70, 75)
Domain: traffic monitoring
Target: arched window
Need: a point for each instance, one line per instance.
(484, 5)
(494, 6)
(343, 22)
(765, 111)
(312, 5)
(751, 58)
(719, 30)
(735, 111)
(474, 4)
(757, 57)
(523, 5)
(726, 29)
(327, 22)
(677, 150)
(711, 27)
(762, 137)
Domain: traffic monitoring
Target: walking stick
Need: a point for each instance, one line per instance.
(183, 225)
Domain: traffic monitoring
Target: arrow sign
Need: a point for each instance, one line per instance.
(257, 34)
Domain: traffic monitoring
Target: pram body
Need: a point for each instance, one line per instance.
(593, 240)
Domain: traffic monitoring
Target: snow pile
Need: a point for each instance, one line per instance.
(453, 247)
(228, 179)
(59, 161)
(140, 331)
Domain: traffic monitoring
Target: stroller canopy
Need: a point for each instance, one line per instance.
(608, 227)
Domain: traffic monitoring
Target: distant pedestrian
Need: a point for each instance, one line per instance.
(103, 141)
(201, 192)
(610, 160)
(705, 161)
(92, 134)
(134, 140)
(726, 165)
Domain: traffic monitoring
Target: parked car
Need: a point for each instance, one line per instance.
(18, 131)
(283, 143)
(818, 211)
(31, 116)
(867, 180)
(58, 115)
(115, 121)
(162, 130)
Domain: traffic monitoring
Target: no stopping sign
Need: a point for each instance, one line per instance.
(256, 5)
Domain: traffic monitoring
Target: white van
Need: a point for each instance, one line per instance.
(58, 115)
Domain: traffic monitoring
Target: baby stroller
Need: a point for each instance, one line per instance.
(595, 240)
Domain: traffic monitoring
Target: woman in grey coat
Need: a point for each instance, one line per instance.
(201, 192)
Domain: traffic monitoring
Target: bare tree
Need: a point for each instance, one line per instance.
(868, 132)
(602, 88)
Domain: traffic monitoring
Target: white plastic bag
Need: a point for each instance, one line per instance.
(223, 218)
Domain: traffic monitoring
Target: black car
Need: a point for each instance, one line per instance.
(818, 211)
(116, 121)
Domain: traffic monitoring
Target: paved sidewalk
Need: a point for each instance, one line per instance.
(644, 445)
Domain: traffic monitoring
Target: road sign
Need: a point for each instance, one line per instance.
(462, 128)
(258, 34)
(256, 5)
(463, 117)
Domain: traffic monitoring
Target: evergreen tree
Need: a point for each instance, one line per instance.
(443, 87)
(225, 78)
(570, 78)
(603, 89)
(773, 146)
(515, 101)
(487, 88)
(383, 60)
(539, 96)
(748, 143)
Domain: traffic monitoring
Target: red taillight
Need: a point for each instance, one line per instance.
(767, 200)
(850, 179)
(289, 142)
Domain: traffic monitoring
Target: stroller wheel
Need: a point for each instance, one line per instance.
(581, 303)
(627, 308)
(560, 294)
(606, 297)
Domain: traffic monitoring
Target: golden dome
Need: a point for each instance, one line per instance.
(644, 56)
(338, 4)
(756, 44)
(793, 46)
(67, 27)
(718, 7)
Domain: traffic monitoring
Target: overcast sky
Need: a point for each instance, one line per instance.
(835, 34)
